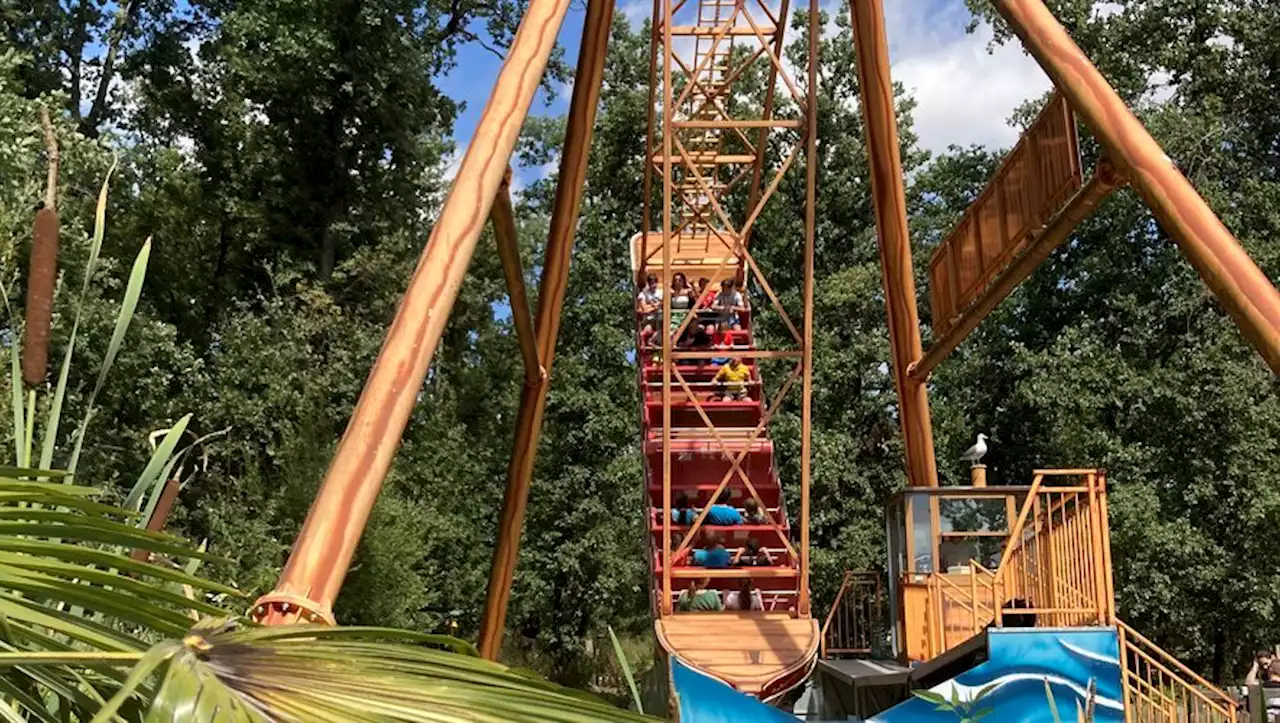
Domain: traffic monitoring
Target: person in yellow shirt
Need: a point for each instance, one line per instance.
(733, 378)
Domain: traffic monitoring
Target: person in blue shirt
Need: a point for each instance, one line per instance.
(714, 554)
(683, 513)
(722, 513)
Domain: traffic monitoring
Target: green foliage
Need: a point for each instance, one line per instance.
(967, 711)
(69, 586)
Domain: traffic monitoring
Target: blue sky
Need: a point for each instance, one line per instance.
(965, 93)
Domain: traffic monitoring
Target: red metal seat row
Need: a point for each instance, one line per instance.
(699, 460)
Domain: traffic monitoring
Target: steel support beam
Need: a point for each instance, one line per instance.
(508, 243)
(555, 279)
(889, 199)
(1240, 286)
(810, 234)
(318, 564)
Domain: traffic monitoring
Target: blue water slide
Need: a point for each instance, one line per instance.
(1019, 663)
(704, 699)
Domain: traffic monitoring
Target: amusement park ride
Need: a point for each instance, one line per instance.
(1010, 584)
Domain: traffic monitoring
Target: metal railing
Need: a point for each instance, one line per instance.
(1057, 563)
(959, 610)
(1159, 689)
(855, 616)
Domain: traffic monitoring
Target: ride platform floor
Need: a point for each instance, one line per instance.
(748, 650)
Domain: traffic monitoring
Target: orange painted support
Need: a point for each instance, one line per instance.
(555, 280)
(318, 564)
(1240, 286)
(810, 234)
(504, 235)
(890, 202)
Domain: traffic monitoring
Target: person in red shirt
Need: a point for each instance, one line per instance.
(706, 294)
(722, 340)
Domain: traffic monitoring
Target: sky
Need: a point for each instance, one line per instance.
(965, 94)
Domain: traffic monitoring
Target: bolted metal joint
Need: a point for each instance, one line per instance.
(282, 608)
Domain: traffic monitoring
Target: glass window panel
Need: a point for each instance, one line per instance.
(921, 534)
(972, 515)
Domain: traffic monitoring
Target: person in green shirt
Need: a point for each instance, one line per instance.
(699, 599)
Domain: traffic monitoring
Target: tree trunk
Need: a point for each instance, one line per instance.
(124, 20)
(1219, 652)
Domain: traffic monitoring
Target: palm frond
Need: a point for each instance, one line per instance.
(68, 587)
(222, 670)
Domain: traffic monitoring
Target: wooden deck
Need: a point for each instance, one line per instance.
(750, 651)
(701, 255)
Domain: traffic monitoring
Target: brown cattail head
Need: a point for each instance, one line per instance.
(41, 275)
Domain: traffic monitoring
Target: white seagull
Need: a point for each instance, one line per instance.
(975, 453)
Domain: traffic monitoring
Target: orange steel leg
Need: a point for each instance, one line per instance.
(1241, 287)
(810, 234)
(316, 568)
(555, 278)
(890, 202)
(508, 243)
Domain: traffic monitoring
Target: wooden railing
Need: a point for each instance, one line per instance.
(1159, 689)
(855, 616)
(1055, 570)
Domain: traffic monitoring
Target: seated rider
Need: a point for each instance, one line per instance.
(752, 555)
(753, 515)
(682, 298)
(714, 555)
(734, 377)
(649, 302)
(683, 513)
(706, 294)
(721, 340)
(722, 513)
(729, 304)
(699, 599)
(746, 597)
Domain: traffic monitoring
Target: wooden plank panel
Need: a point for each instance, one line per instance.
(1034, 182)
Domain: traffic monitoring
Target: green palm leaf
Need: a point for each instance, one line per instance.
(74, 606)
(224, 671)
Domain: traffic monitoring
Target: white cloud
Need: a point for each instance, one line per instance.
(636, 11)
(964, 93)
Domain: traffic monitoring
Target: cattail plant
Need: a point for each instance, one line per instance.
(42, 270)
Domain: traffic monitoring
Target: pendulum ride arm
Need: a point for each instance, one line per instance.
(1242, 288)
(318, 564)
(889, 199)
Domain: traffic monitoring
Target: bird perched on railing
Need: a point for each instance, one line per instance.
(974, 454)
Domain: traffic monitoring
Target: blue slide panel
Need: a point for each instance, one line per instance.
(1018, 664)
(704, 699)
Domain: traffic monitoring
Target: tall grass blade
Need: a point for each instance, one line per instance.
(30, 434)
(153, 473)
(15, 383)
(99, 227)
(127, 306)
(626, 670)
(54, 419)
(1053, 704)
